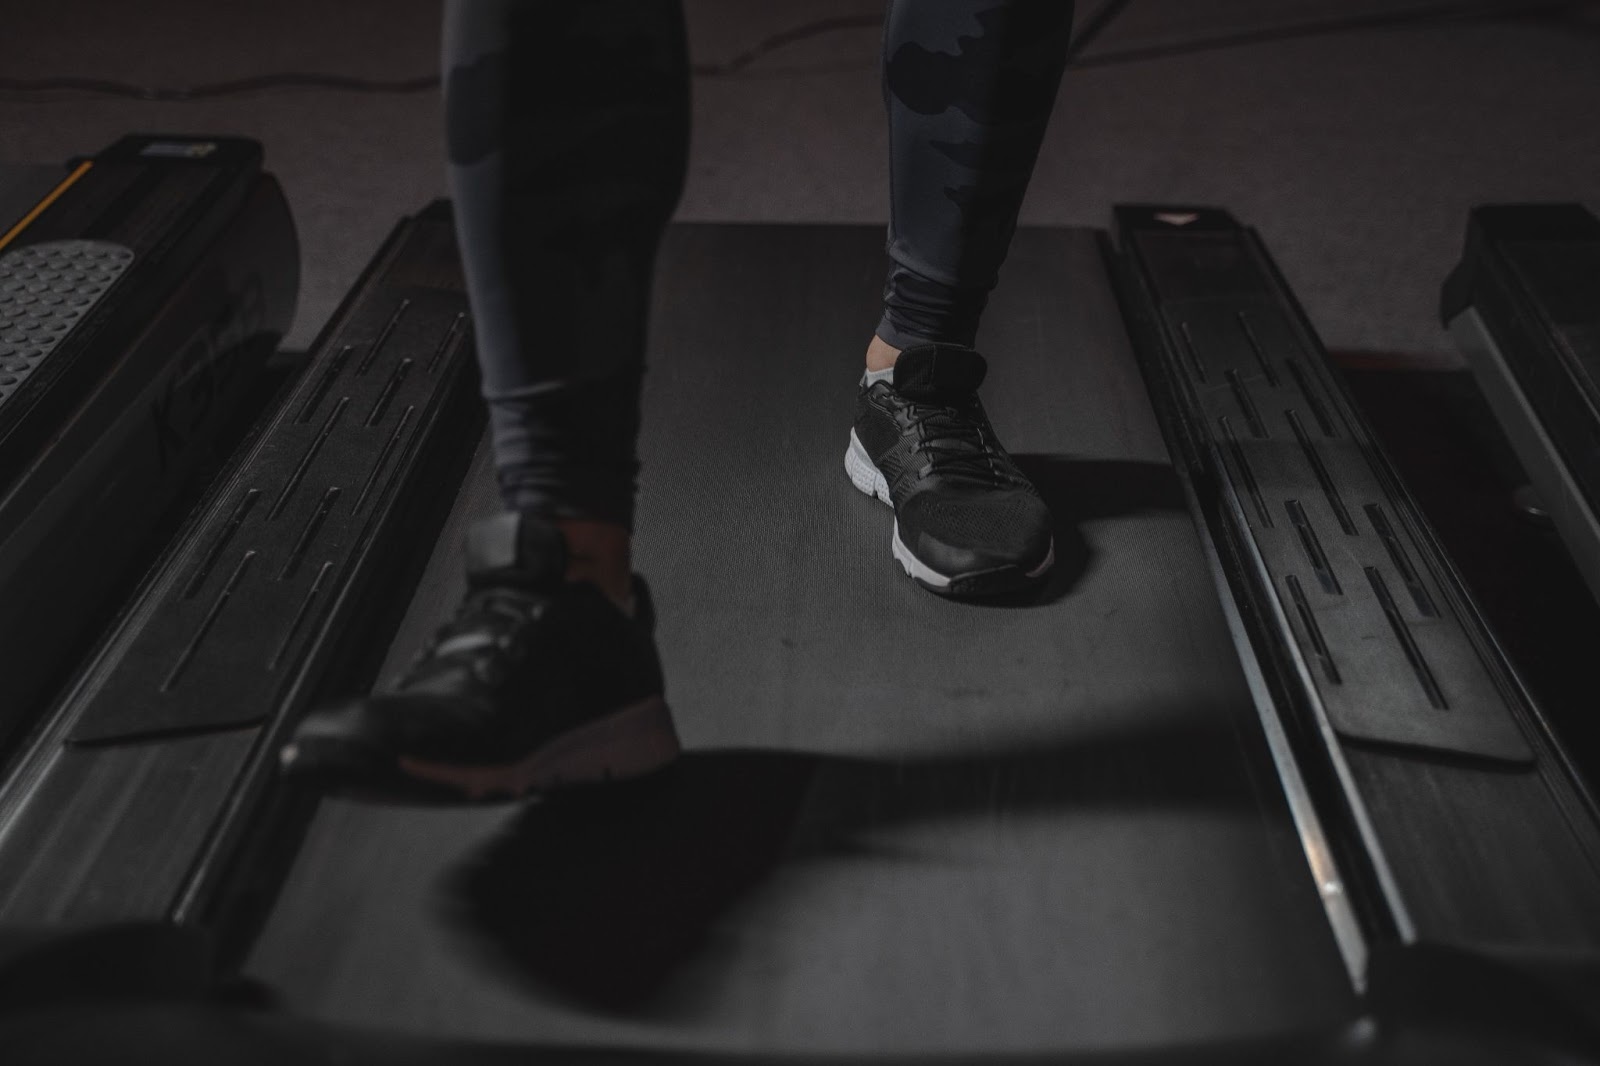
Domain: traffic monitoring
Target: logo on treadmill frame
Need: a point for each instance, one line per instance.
(179, 149)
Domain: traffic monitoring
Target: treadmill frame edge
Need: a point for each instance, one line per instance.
(1468, 329)
(1388, 925)
(1316, 842)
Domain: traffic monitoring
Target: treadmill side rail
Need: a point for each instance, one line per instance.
(1451, 812)
(130, 802)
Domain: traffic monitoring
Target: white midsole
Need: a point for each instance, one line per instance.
(865, 475)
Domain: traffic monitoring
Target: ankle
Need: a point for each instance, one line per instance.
(602, 554)
(881, 355)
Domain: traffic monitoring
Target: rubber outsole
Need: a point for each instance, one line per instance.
(632, 742)
(865, 476)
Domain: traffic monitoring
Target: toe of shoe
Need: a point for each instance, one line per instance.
(347, 743)
(957, 537)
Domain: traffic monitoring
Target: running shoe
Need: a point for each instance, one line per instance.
(535, 683)
(967, 523)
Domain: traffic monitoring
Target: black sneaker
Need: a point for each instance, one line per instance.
(967, 522)
(535, 683)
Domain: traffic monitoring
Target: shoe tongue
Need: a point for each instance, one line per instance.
(937, 371)
(515, 549)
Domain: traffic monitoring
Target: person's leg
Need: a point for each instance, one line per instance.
(969, 86)
(567, 126)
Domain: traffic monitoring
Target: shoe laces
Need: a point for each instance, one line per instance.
(957, 439)
(487, 628)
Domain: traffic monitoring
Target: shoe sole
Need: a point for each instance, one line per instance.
(865, 475)
(637, 740)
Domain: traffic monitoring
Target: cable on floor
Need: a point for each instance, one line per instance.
(1094, 27)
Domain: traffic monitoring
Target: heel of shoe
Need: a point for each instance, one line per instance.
(864, 473)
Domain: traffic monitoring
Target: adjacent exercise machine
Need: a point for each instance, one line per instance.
(1524, 307)
(141, 292)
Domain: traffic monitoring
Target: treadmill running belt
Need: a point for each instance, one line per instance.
(902, 824)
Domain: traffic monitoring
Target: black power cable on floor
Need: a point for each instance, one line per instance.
(1093, 26)
(28, 88)
(209, 90)
(1453, 12)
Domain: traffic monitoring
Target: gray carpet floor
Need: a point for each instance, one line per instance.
(1356, 153)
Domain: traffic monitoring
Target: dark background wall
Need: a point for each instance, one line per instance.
(1356, 152)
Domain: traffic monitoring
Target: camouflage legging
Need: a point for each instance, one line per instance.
(568, 128)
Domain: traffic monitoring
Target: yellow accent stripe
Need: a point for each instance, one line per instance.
(39, 208)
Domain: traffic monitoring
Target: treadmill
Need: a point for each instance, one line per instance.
(142, 292)
(1248, 781)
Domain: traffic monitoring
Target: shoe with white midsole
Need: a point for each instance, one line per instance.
(967, 522)
(535, 684)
